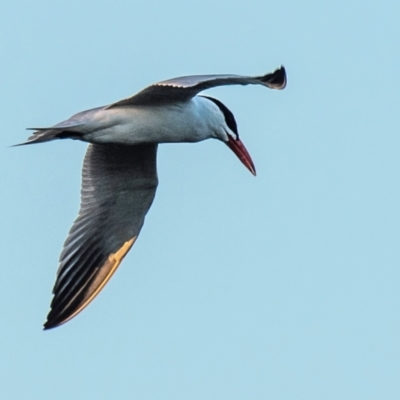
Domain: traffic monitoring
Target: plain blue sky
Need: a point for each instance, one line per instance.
(283, 286)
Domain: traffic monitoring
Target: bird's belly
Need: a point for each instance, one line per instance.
(162, 124)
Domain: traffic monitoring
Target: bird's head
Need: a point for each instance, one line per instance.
(228, 133)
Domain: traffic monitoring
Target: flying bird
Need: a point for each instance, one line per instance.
(119, 177)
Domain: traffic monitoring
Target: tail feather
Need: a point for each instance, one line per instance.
(65, 129)
(46, 135)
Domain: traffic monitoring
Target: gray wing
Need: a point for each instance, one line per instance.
(186, 87)
(118, 187)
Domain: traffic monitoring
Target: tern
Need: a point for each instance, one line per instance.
(119, 176)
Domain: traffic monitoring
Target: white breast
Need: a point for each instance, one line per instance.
(192, 121)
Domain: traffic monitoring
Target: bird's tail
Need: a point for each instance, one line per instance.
(46, 135)
(42, 135)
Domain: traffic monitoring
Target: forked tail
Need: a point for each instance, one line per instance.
(47, 134)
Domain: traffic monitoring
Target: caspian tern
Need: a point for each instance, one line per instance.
(119, 177)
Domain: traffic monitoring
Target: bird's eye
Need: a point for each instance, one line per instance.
(229, 118)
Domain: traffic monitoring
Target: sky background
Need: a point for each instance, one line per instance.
(283, 286)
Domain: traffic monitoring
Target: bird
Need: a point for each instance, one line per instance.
(119, 175)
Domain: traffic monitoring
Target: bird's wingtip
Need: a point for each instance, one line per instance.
(282, 70)
(51, 324)
(46, 327)
(275, 80)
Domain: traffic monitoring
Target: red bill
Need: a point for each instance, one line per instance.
(238, 148)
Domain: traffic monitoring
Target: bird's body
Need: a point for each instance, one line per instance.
(161, 123)
(119, 177)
